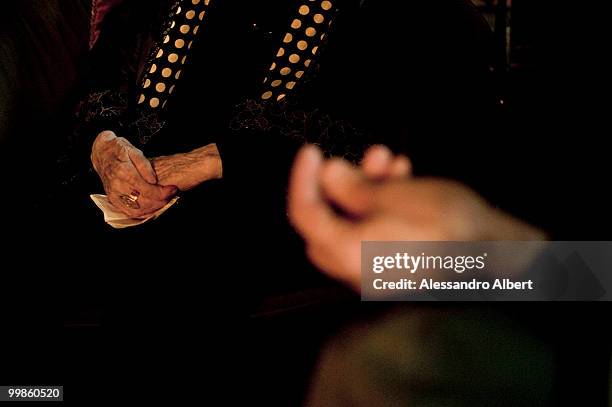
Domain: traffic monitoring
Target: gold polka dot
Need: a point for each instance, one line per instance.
(166, 72)
(154, 102)
(288, 38)
(302, 45)
(184, 59)
(290, 85)
(299, 74)
(318, 18)
(281, 97)
(311, 32)
(160, 53)
(294, 58)
(295, 24)
(142, 99)
(185, 29)
(280, 52)
(201, 16)
(314, 50)
(326, 5)
(171, 89)
(153, 68)
(195, 2)
(307, 63)
(178, 75)
(179, 44)
(172, 58)
(276, 83)
(285, 71)
(206, 2)
(273, 66)
(166, 39)
(147, 83)
(178, 10)
(304, 10)
(160, 87)
(190, 44)
(267, 95)
(265, 80)
(190, 15)
(323, 37)
(196, 29)
(173, 24)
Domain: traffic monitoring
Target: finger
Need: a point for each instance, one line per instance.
(143, 165)
(313, 218)
(401, 167)
(149, 206)
(120, 206)
(105, 136)
(128, 173)
(348, 188)
(141, 208)
(121, 152)
(377, 161)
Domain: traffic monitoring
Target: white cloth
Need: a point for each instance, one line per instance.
(118, 219)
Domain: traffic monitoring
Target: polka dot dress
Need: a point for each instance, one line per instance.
(168, 59)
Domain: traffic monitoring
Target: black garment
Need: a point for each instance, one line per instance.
(371, 78)
(385, 66)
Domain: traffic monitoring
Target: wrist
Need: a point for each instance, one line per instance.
(208, 160)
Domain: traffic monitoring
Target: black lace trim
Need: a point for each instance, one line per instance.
(335, 137)
(109, 110)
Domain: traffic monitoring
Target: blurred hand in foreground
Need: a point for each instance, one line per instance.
(335, 206)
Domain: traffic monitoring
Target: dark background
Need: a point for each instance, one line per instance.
(542, 154)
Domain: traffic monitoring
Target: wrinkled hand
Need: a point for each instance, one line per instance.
(379, 201)
(124, 170)
(188, 170)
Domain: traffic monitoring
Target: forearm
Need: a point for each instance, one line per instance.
(188, 170)
(205, 161)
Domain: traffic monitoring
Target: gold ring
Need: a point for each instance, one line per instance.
(131, 200)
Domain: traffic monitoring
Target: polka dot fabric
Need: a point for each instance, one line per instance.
(308, 31)
(168, 59)
(299, 46)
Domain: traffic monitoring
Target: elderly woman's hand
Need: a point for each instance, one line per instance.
(188, 170)
(128, 177)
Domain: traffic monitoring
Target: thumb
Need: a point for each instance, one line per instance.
(309, 213)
